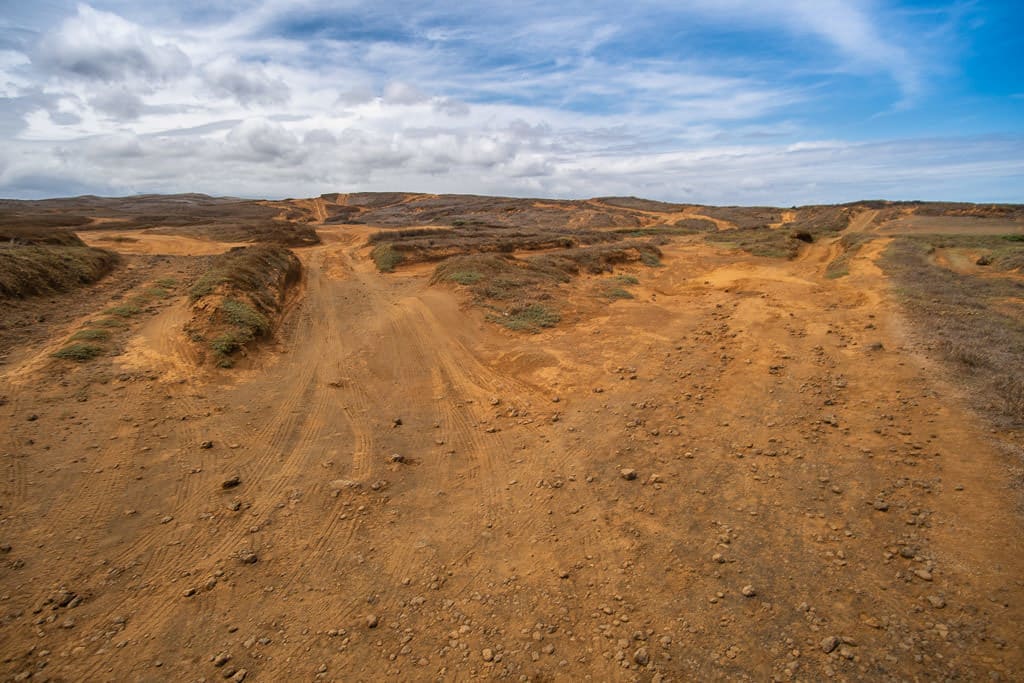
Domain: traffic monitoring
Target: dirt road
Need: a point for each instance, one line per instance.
(423, 496)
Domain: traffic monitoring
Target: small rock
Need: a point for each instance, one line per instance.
(231, 482)
(239, 676)
(396, 458)
(206, 444)
(221, 659)
(372, 621)
(829, 643)
(880, 505)
(748, 591)
(641, 656)
(487, 654)
(627, 473)
(923, 574)
(397, 422)
(248, 557)
(937, 601)
(166, 519)
(189, 592)
(33, 417)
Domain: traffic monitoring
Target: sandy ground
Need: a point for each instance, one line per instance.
(138, 242)
(811, 499)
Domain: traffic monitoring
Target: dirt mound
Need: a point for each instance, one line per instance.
(239, 299)
(523, 294)
(35, 261)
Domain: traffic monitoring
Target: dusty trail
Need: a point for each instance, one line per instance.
(785, 434)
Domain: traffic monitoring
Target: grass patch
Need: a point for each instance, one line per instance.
(109, 322)
(124, 310)
(245, 316)
(386, 257)
(758, 241)
(79, 352)
(959, 317)
(157, 293)
(616, 293)
(523, 293)
(529, 318)
(465, 277)
(91, 334)
(166, 283)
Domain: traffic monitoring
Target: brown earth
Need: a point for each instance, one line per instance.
(748, 471)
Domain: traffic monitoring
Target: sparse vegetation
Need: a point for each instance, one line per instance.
(528, 318)
(521, 293)
(92, 334)
(237, 299)
(55, 262)
(759, 241)
(79, 352)
(984, 344)
(124, 310)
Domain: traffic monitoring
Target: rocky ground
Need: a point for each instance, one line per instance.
(747, 471)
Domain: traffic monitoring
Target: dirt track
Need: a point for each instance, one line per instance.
(786, 438)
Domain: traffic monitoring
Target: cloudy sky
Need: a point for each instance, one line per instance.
(716, 101)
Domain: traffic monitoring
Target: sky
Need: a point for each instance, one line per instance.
(777, 102)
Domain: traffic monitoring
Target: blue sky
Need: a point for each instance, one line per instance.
(715, 101)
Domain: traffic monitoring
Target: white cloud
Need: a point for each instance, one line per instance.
(247, 83)
(96, 45)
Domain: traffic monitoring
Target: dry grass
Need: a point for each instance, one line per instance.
(759, 241)
(55, 262)
(959, 318)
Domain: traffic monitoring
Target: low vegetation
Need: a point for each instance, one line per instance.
(386, 257)
(522, 293)
(79, 352)
(965, 318)
(780, 243)
(239, 298)
(45, 261)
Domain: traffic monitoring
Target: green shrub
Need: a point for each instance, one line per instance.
(386, 257)
(79, 352)
(166, 283)
(92, 335)
(627, 279)
(245, 317)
